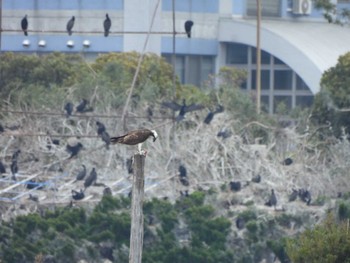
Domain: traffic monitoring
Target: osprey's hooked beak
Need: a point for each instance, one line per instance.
(155, 135)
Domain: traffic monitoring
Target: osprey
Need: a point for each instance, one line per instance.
(135, 137)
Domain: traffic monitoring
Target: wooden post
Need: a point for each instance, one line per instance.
(136, 231)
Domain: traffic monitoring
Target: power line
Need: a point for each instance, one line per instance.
(82, 115)
(94, 32)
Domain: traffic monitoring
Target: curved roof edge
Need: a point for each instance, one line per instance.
(308, 48)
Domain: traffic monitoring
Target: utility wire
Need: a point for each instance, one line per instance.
(139, 65)
(81, 115)
(95, 32)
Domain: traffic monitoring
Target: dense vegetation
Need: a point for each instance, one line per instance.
(332, 104)
(197, 228)
(69, 234)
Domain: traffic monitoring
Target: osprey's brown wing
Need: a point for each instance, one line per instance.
(132, 137)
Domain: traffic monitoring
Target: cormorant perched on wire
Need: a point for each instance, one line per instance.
(14, 170)
(182, 171)
(272, 200)
(81, 107)
(70, 25)
(235, 186)
(81, 175)
(100, 127)
(24, 25)
(107, 191)
(287, 161)
(91, 178)
(293, 196)
(183, 175)
(256, 178)
(31, 184)
(305, 196)
(78, 195)
(74, 150)
(50, 142)
(106, 138)
(211, 114)
(2, 168)
(183, 109)
(15, 155)
(188, 27)
(69, 109)
(107, 25)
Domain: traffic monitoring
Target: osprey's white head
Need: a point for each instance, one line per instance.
(155, 135)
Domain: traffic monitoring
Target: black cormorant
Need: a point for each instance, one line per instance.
(91, 178)
(188, 27)
(235, 186)
(81, 175)
(183, 109)
(293, 196)
(256, 178)
(272, 200)
(81, 107)
(24, 25)
(69, 109)
(100, 127)
(78, 195)
(70, 25)
(106, 138)
(74, 150)
(107, 25)
(211, 114)
(2, 168)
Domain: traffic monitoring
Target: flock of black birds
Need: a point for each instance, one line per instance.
(81, 108)
(107, 24)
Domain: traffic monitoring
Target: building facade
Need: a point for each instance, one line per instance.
(297, 43)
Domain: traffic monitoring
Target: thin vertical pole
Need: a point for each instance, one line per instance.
(0, 25)
(173, 58)
(258, 58)
(136, 231)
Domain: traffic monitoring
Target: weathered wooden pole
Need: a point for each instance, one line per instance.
(136, 231)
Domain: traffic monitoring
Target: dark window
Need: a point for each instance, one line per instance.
(207, 68)
(265, 103)
(283, 79)
(192, 69)
(304, 101)
(265, 79)
(301, 85)
(237, 54)
(282, 102)
(179, 66)
(265, 57)
(269, 8)
(278, 61)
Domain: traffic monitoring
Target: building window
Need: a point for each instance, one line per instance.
(265, 103)
(282, 103)
(265, 57)
(192, 69)
(265, 79)
(300, 84)
(269, 8)
(283, 79)
(237, 54)
(304, 101)
(278, 61)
